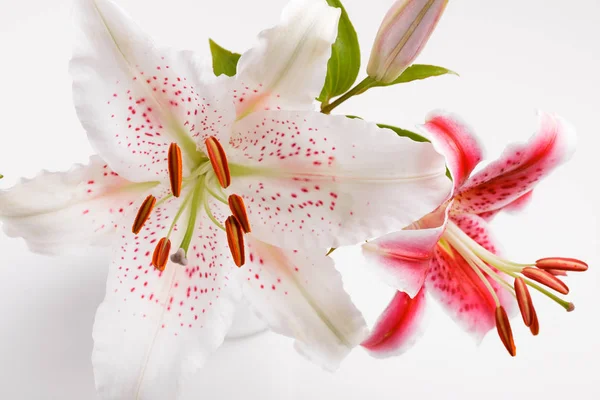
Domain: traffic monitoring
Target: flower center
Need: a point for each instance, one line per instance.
(540, 275)
(206, 182)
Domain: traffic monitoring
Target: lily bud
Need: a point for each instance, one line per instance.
(403, 33)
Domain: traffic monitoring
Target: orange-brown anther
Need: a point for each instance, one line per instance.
(175, 169)
(161, 254)
(524, 301)
(535, 324)
(238, 209)
(143, 214)
(504, 331)
(218, 160)
(235, 238)
(547, 279)
(562, 264)
(556, 272)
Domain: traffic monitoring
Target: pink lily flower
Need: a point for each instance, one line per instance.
(451, 254)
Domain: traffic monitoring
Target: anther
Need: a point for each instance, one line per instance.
(143, 214)
(179, 257)
(175, 169)
(546, 278)
(524, 301)
(235, 238)
(504, 330)
(562, 264)
(238, 209)
(556, 272)
(218, 160)
(161, 254)
(535, 324)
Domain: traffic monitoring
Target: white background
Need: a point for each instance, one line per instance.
(513, 56)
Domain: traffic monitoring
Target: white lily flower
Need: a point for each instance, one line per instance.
(251, 146)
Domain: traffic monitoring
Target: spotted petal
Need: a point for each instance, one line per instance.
(519, 168)
(316, 181)
(58, 212)
(135, 99)
(287, 68)
(402, 258)
(455, 140)
(300, 294)
(398, 327)
(155, 329)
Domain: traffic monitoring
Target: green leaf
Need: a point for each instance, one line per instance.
(404, 132)
(417, 72)
(344, 64)
(224, 61)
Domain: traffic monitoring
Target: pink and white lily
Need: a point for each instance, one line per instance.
(234, 171)
(451, 254)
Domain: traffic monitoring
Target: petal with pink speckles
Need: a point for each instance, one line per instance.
(402, 258)
(300, 294)
(452, 137)
(63, 212)
(135, 99)
(519, 168)
(398, 327)
(155, 329)
(316, 181)
(287, 67)
(462, 293)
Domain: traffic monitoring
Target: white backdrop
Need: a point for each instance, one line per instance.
(513, 57)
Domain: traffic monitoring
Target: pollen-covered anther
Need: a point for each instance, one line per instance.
(218, 160)
(161, 254)
(235, 238)
(504, 330)
(238, 209)
(561, 264)
(524, 301)
(143, 214)
(535, 324)
(546, 278)
(175, 169)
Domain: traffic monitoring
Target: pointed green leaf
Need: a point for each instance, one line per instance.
(404, 132)
(417, 72)
(224, 61)
(344, 64)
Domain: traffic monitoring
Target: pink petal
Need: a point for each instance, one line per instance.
(155, 329)
(455, 140)
(519, 168)
(313, 181)
(300, 294)
(134, 99)
(64, 212)
(402, 258)
(398, 327)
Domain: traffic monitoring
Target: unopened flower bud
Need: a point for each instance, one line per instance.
(403, 33)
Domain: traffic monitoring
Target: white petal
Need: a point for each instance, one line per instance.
(300, 294)
(58, 212)
(287, 68)
(155, 329)
(311, 180)
(134, 99)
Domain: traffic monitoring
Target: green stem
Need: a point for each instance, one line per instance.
(187, 238)
(362, 87)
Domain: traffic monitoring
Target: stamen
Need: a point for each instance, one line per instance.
(561, 264)
(179, 257)
(235, 238)
(546, 279)
(556, 272)
(504, 331)
(218, 159)
(143, 214)
(238, 209)
(535, 324)
(175, 169)
(161, 254)
(524, 300)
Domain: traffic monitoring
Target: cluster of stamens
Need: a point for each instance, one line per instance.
(541, 276)
(216, 166)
